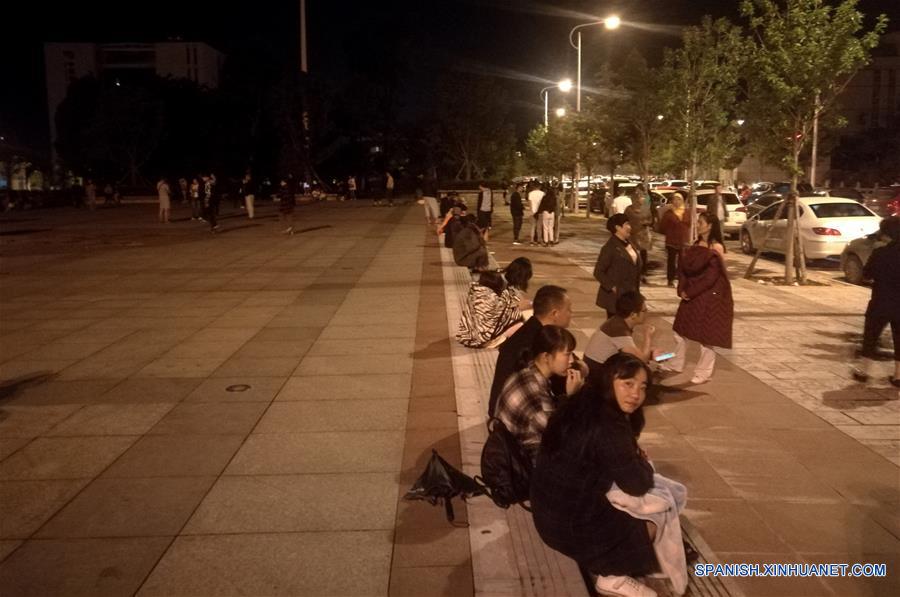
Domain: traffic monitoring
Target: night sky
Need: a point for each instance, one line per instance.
(512, 39)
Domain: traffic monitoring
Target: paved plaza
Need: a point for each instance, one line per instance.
(187, 413)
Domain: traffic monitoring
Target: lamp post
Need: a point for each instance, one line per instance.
(611, 22)
(565, 86)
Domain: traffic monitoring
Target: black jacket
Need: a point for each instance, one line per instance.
(548, 203)
(616, 269)
(883, 268)
(515, 204)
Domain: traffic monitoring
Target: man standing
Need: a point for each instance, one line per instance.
(430, 201)
(534, 199)
(552, 306)
(621, 202)
(618, 267)
(248, 190)
(90, 191)
(516, 210)
(165, 200)
(351, 187)
(210, 202)
(485, 209)
(716, 205)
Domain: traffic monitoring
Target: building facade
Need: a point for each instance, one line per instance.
(872, 99)
(66, 62)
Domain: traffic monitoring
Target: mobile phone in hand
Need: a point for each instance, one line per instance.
(664, 357)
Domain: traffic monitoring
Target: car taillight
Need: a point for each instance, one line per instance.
(827, 231)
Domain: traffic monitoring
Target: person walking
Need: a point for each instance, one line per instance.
(183, 196)
(558, 212)
(286, 204)
(677, 229)
(351, 187)
(210, 202)
(716, 205)
(547, 214)
(165, 200)
(516, 210)
(196, 203)
(430, 201)
(706, 311)
(884, 306)
(389, 188)
(618, 267)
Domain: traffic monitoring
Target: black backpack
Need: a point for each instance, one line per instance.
(505, 468)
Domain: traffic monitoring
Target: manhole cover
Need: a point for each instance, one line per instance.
(241, 387)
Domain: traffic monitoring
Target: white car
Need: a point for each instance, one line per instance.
(827, 225)
(737, 212)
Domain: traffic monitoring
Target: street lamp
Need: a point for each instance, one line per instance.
(560, 112)
(565, 86)
(611, 22)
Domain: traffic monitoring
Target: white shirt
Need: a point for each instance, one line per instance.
(534, 197)
(621, 203)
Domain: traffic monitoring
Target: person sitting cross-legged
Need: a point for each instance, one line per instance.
(492, 311)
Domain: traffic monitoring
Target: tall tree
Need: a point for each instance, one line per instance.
(701, 79)
(804, 54)
(644, 111)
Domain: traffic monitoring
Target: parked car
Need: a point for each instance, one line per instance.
(827, 225)
(804, 189)
(856, 254)
(847, 193)
(884, 201)
(763, 202)
(737, 212)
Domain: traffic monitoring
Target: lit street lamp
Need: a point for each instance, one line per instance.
(560, 112)
(611, 22)
(565, 86)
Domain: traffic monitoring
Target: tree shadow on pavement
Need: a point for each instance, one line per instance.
(858, 395)
(9, 388)
(435, 350)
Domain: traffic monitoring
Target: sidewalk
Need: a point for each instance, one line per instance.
(192, 414)
(774, 463)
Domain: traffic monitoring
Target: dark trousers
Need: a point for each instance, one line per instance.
(195, 208)
(517, 227)
(211, 214)
(872, 331)
(673, 254)
(643, 262)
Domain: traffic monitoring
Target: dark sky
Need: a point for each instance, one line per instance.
(509, 38)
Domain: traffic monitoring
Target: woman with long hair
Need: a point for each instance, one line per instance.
(527, 398)
(492, 312)
(706, 311)
(590, 443)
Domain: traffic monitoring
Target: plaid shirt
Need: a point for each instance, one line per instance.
(525, 405)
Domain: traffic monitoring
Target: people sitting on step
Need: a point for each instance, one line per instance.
(469, 245)
(588, 460)
(493, 308)
(453, 221)
(616, 333)
(552, 306)
(527, 399)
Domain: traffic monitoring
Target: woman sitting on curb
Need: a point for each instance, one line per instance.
(590, 448)
(492, 311)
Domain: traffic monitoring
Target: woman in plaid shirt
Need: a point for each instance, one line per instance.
(527, 398)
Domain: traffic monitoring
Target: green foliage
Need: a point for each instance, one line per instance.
(701, 82)
(804, 53)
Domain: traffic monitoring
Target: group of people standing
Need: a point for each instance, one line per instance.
(544, 207)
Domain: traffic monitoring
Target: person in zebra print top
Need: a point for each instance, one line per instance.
(492, 311)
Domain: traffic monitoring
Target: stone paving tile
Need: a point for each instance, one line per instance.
(111, 419)
(353, 365)
(365, 346)
(734, 526)
(846, 586)
(358, 387)
(89, 567)
(337, 415)
(24, 368)
(210, 418)
(257, 367)
(32, 421)
(428, 581)
(9, 446)
(430, 546)
(176, 456)
(325, 452)
(333, 564)
(290, 503)
(150, 390)
(351, 332)
(773, 587)
(175, 366)
(7, 546)
(292, 334)
(29, 504)
(64, 457)
(129, 508)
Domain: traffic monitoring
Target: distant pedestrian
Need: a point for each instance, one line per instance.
(618, 267)
(90, 192)
(706, 311)
(196, 202)
(389, 188)
(430, 201)
(716, 205)
(558, 213)
(677, 229)
(640, 218)
(884, 306)
(210, 202)
(621, 203)
(165, 200)
(485, 209)
(534, 200)
(351, 188)
(286, 204)
(547, 215)
(248, 191)
(183, 196)
(516, 210)
(108, 194)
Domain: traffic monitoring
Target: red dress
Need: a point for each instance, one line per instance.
(709, 314)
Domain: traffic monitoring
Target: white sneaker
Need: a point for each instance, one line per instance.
(697, 380)
(622, 586)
